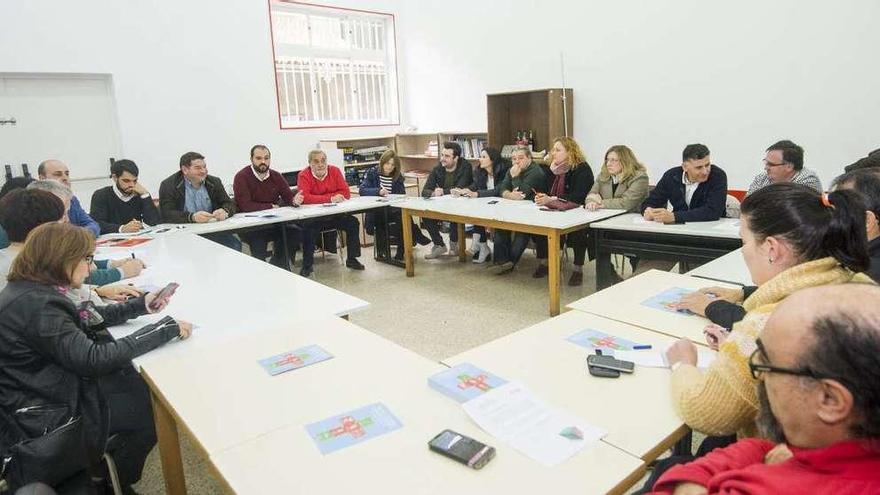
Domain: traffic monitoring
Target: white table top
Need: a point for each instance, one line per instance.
(729, 268)
(507, 210)
(623, 302)
(365, 369)
(725, 227)
(224, 292)
(555, 369)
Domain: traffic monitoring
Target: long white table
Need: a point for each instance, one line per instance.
(250, 426)
(635, 409)
(224, 292)
(730, 268)
(687, 243)
(517, 216)
(623, 302)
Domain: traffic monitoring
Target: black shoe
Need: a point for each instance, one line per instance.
(354, 264)
(540, 272)
(306, 271)
(398, 255)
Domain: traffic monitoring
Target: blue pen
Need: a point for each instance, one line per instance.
(641, 347)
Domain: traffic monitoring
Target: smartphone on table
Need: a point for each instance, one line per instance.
(462, 449)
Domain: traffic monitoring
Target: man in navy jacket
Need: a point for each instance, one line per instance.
(697, 190)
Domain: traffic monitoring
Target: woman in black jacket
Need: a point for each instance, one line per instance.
(571, 181)
(487, 183)
(57, 361)
(385, 179)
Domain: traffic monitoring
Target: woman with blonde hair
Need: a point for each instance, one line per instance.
(62, 375)
(571, 179)
(622, 183)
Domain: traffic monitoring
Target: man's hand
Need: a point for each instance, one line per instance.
(337, 198)
(683, 351)
(780, 453)
(298, 198)
(688, 488)
(132, 226)
(220, 214)
(117, 292)
(202, 217)
(515, 170)
(140, 190)
(470, 194)
(383, 192)
(131, 268)
(438, 191)
(649, 214)
(662, 215)
(516, 194)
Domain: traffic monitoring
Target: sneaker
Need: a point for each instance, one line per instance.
(576, 279)
(354, 264)
(540, 272)
(306, 271)
(436, 252)
(502, 268)
(484, 254)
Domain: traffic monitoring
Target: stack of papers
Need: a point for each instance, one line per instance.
(657, 359)
(464, 382)
(548, 435)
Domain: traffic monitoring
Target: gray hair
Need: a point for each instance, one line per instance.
(52, 186)
(524, 149)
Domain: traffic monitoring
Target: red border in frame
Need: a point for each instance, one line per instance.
(275, 77)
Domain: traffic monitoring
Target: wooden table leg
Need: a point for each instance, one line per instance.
(462, 243)
(553, 268)
(406, 228)
(169, 448)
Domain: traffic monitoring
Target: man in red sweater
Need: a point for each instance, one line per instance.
(321, 183)
(818, 370)
(257, 187)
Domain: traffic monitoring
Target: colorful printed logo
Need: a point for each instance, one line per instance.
(290, 359)
(572, 433)
(478, 382)
(350, 426)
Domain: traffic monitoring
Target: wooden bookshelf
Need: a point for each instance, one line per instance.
(540, 111)
(345, 153)
(472, 143)
(412, 148)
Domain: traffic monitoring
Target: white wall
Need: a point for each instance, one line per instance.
(659, 74)
(189, 75)
(656, 75)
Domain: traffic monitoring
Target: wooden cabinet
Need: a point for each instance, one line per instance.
(540, 111)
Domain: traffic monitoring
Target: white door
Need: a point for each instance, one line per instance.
(70, 117)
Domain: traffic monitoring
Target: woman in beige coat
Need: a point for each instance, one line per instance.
(622, 183)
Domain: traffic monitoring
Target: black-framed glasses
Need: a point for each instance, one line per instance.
(758, 368)
(768, 163)
(89, 258)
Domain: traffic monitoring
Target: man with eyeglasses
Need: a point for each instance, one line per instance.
(697, 190)
(817, 364)
(784, 162)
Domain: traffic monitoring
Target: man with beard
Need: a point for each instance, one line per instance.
(817, 364)
(126, 205)
(59, 172)
(257, 187)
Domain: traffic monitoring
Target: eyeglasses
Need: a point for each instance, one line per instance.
(89, 258)
(757, 368)
(768, 163)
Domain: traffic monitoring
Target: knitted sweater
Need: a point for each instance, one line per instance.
(723, 400)
(252, 194)
(320, 191)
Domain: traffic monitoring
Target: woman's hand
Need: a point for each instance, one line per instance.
(715, 335)
(683, 351)
(541, 199)
(117, 292)
(185, 327)
(695, 302)
(592, 206)
(729, 295)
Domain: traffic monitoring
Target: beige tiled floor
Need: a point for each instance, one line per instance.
(447, 308)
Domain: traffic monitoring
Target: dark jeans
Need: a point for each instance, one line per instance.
(259, 244)
(131, 422)
(226, 239)
(346, 223)
(433, 228)
(392, 229)
(509, 246)
(578, 242)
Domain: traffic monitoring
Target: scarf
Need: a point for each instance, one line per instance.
(84, 306)
(559, 170)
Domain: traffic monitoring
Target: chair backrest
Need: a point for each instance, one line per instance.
(732, 206)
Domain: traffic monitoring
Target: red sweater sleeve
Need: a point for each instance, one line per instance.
(243, 197)
(340, 186)
(742, 454)
(315, 191)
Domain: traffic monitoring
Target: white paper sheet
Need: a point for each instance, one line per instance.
(512, 414)
(657, 359)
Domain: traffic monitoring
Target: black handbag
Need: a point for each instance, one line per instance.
(50, 458)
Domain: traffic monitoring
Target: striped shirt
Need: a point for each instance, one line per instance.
(385, 182)
(803, 176)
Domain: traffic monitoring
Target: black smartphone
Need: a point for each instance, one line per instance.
(461, 448)
(608, 362)
(603, 372)
(163, 295)
(494, 201)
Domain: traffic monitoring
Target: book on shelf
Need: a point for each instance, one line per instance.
(433, 149)
(354, 156)
(471, 148)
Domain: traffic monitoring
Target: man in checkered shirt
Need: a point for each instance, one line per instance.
(784, 162)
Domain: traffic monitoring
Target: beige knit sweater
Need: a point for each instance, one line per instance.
(723, 399)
